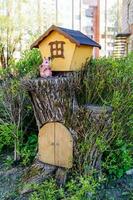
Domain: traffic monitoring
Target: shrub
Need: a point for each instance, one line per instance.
(45, 191)
(119, 159)
(6, 136)
(29, 149)
(28, 64)
(82, 188)
(16, 113)
(109, 82)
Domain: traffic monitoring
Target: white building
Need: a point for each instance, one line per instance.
(124, 38)
(107, 27)
(127, 21)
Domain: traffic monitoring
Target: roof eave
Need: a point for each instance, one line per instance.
(53, 28)
(97, 46)
(34, 46)
(38, 41)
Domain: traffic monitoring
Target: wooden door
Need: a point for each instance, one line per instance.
(55, 145)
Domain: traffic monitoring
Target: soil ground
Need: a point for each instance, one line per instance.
(10, 184)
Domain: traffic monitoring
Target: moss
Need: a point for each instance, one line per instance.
(32, 172)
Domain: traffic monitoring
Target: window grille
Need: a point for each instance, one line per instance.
(57, 49)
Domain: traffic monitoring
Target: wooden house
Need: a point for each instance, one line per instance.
(68, 49)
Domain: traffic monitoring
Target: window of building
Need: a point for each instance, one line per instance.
(110, 44)
(110, 53)
(57, 49)
(110, 29)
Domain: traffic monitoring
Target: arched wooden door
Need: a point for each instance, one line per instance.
(55, 145)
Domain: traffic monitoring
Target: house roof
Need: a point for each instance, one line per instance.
(73, 35)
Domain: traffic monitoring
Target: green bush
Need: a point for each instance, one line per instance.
(46, 191)
(29, 63)
(119, 159)
(6, 136)
(26, 148)
(82, 188)
(109, 82)
(26, 66)
(16, 113)
(29, 149)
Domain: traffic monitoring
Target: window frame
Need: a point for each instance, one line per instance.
(55, 48)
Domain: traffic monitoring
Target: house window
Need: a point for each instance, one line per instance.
(57, 49)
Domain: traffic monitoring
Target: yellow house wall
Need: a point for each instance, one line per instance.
(81, 54)
(58, 64)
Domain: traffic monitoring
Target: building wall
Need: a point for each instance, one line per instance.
(48, 8)
(90, 21)
(107, 28)
(119, 16)
(127, 13)
(58, 64)
(81, 55)
(127, 21)
(91, 2)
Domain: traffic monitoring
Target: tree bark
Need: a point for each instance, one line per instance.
(54, 99)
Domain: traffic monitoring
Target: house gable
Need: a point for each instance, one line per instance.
(74, 36)
(63, 62)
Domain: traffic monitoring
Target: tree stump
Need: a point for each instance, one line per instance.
(55, 105)
(53, 98)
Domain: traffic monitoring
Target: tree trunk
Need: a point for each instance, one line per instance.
(54, 100)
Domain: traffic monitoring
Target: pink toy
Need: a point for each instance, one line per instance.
(45, 69)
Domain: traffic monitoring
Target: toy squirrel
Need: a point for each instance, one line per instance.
(45, 68)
